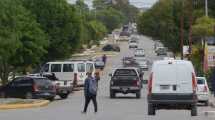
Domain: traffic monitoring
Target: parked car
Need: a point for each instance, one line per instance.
(69, 73)
(161, 51)
(143, 63)
(29, 88)
(125, 80)
(203, 91)
(111, 47)
(133, 44)
(172, 85)
(139, 52)
(99, 64)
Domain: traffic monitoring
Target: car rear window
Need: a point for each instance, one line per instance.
(42, 81)
(125, 72)
(132, 41)
(200, 81)
(56, 68)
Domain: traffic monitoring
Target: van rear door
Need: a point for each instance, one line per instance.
(164, 78)
(81, 72)
(184, 78)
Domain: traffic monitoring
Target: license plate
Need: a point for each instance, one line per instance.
(164, 87)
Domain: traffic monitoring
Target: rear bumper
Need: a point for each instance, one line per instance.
(125, 90)
(202, 97)
(172, 99)
(64, 90)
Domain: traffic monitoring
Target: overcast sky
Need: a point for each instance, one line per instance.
(138, 3)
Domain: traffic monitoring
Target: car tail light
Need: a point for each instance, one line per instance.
(35, 88)
(205, 89)
(136, 82)
(150, 84)
(194, 83)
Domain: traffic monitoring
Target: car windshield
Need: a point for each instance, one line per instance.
(125, 72)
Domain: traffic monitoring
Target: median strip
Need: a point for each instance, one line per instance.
(24, 104)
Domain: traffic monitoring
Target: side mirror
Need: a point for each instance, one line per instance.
(145, 82)
(110, 74)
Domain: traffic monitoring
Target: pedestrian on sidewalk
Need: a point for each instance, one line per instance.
(90, 92)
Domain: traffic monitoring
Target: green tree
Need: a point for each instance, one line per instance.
(58, 19)
(98, 31)
(111, 18)
(204, 27)
(22, 41)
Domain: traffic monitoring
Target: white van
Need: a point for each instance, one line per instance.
(172, 85)
(70, 70)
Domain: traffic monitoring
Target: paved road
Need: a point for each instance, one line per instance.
(122, 108)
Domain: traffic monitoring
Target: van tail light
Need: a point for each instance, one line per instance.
(35, 88)
(205, 89)
(194, 83)
(150, 84)
(75, 81)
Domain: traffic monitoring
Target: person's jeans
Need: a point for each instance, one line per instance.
(87, 101)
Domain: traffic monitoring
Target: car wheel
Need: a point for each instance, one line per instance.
(28, 95)
(194, 111)
(112, 94)
(138, 94)
(206, 103)
(64, 96)
(151, 109)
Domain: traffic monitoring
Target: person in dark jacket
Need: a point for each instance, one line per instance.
(104, 59)
(90, 92)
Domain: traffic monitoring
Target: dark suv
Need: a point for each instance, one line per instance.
(29, 88)
(126, 80)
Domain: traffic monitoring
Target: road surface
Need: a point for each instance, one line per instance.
(122, 108)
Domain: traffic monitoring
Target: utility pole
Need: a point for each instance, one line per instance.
(190, 28)
(182, 30)
(182, 35)
(206, 7)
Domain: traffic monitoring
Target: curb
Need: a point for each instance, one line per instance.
(40, 103)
